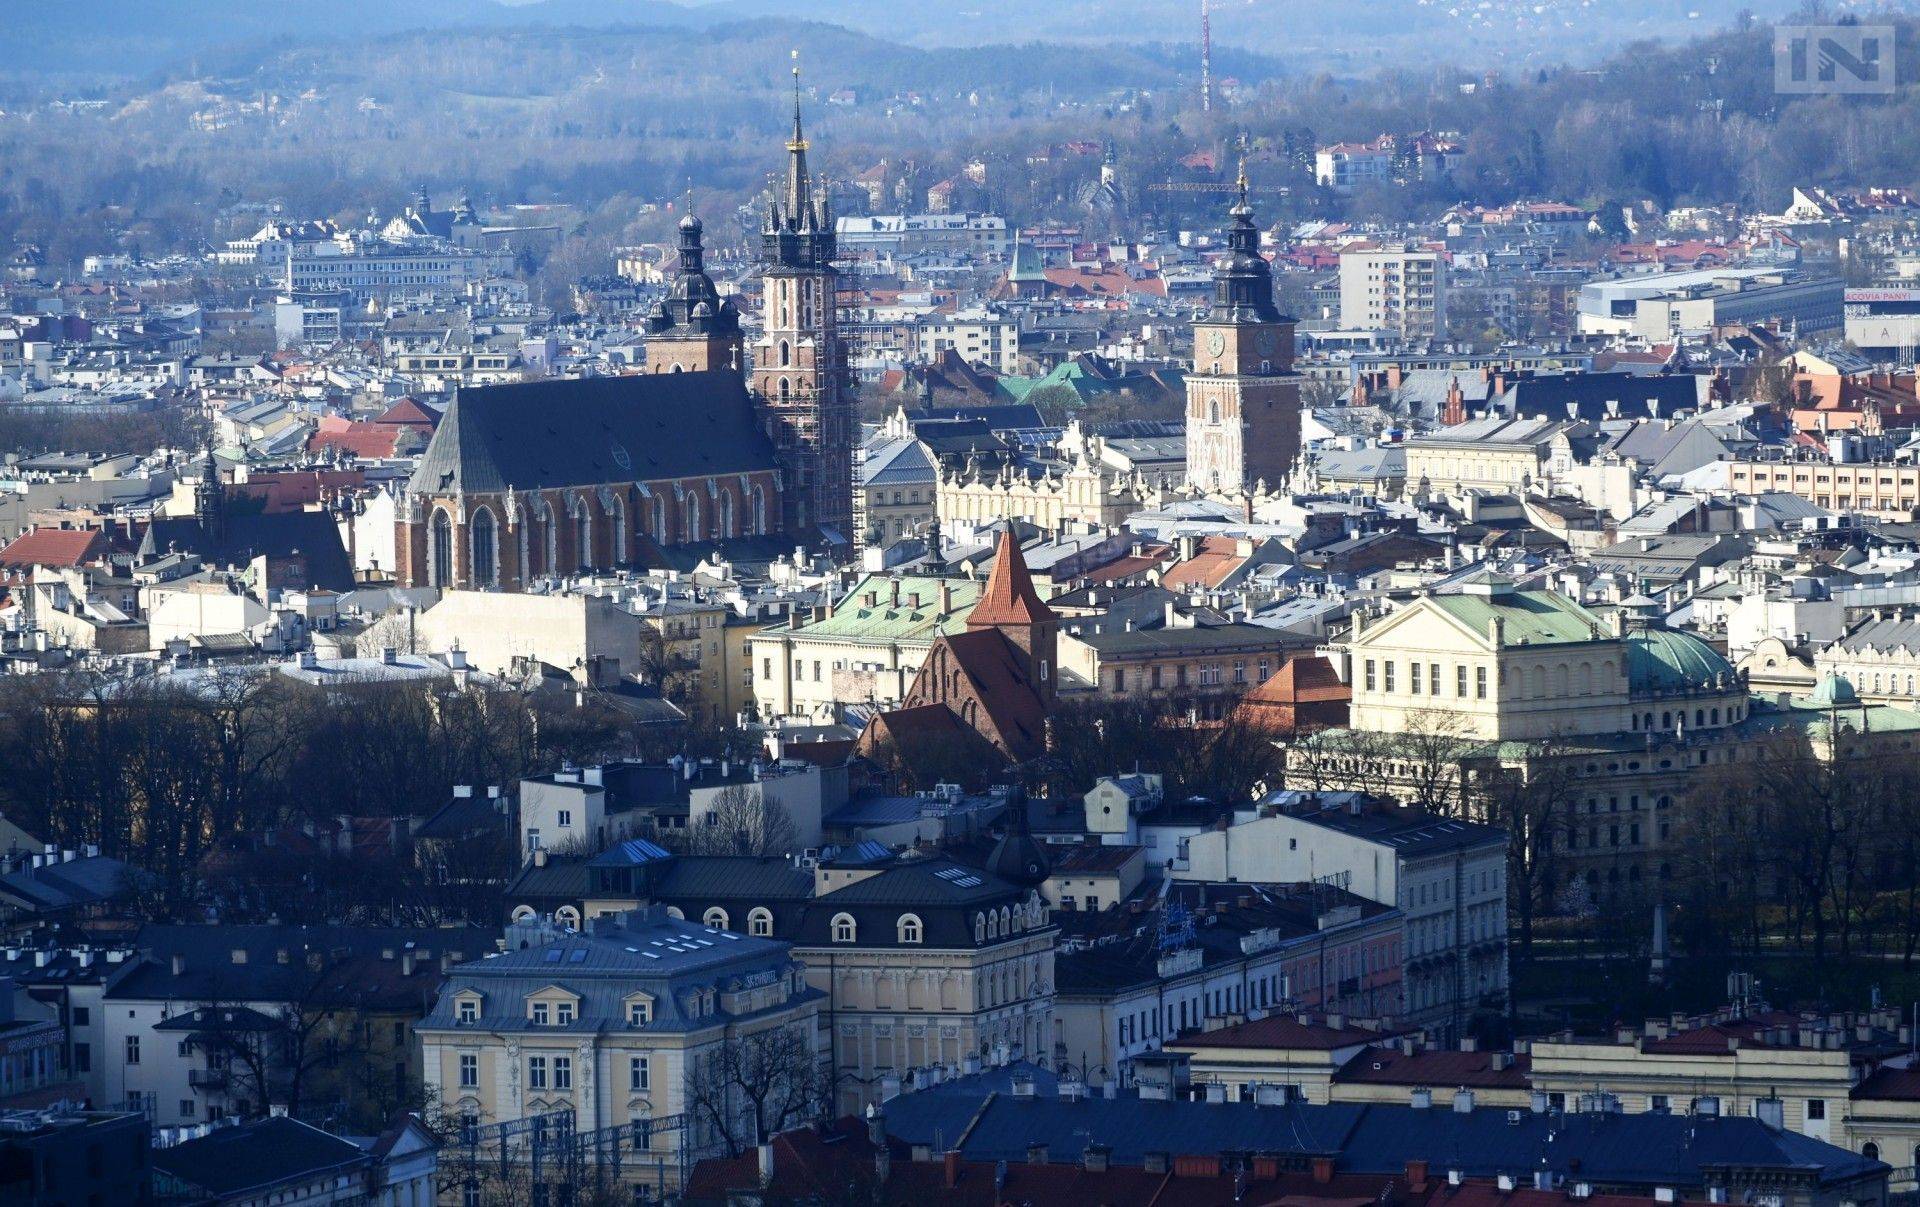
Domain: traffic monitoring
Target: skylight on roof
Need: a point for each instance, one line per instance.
(553, 955)
(577, 956)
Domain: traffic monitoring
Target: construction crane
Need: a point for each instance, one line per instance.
(1188, 186)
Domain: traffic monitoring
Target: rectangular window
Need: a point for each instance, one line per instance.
(468, 1011)
(1371, 686)
(639, 1074)
(639, 1014)
(536, 1072)
(186, 1108)
(82, 1058)
(82, 1015)
(766, 668)
(563, 1013)
(1816, 1110)
(1388, 679)
(816, 672)
(1480, 682)
(540, 1014)
(469, 1072)
(1413, 678)
(563, 1072)
(1460, 682)
(1657, 1102)
(133, 1049)
(565, 817)
(1433, 678)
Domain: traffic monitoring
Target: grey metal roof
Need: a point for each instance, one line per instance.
(643, 951)
(1650, 1150)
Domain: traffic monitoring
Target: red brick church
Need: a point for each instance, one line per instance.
(546, 478)
(983, 695)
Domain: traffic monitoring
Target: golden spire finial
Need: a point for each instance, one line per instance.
(799, 142)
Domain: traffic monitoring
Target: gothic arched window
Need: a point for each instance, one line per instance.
(759, 510)
(440, 538)
(583, 534)
(726, 515)
(690, 520)
(485, 551)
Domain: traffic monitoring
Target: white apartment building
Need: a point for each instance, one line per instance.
(982, 335)
(1448, 877)
(1394, 289)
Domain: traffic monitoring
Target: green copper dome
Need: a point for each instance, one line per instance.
(1834, 691)
(1665, 661)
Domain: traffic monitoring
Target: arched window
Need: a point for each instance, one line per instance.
(760, 922)
(440, 538)
(786, 390)
(690, 519)
(726, 515)
(1006, 921)
(786, 354)
(550, 540)
(993, 925)
(567, 916)
(843, 928)
(583, 534)
(1213, 410)
(759, 510)
(618, 514)
(1871, 1151)
(660, 521)
(910, 930)
(673, 911)
(716, 918)
(486, 549)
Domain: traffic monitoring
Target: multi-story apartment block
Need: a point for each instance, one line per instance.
(1446, 878)
(1402, 290)
(1213, 955)
(867, 648)
(982, 335)
(612, 1023)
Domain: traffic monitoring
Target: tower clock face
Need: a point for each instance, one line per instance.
(1216, 342)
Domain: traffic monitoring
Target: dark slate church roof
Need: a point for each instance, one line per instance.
(243, 537)
(639, 428)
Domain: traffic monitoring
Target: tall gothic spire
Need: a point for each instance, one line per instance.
(799, 229)
(799, 188)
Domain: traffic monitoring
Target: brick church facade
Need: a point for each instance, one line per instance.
(547, 478)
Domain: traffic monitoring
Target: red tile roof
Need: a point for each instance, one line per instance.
(1387, 1065)
(409, 412)
(1897, 1085)
(1009, 597)
(55, 547)
(1283, 1031)
(1217, 558)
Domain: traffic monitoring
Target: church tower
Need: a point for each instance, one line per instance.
(1243, 397)
(693, 329)
(799, 367)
